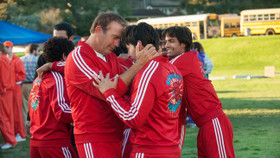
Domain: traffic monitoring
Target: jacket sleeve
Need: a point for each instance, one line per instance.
(20, 72)
(143, 93)
(1, 80)
(80, 71)
(208, 64)
(59, 100)
(58, 66)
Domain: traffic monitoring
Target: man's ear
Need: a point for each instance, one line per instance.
(71, 38)
(98, 29)
(140, 45)
(63, 57)
(183, 46)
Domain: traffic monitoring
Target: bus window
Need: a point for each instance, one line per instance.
(194, 23)
(252, 17)
(246, 18)
(260, 17)
(227, 25)
(160, 26)
(176, 24)
(212, 23)
(165, 26)
(266, 17)
(272, 16)
(182, 24)
(187, 24)
(238, 25)
(278, 16)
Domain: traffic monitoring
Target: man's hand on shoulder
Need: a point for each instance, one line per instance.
(43, 69)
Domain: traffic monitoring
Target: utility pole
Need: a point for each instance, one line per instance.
(144, 4)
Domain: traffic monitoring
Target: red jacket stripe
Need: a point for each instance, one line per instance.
(81, 64)
(60, 91)
(174, 59)
(133, 111)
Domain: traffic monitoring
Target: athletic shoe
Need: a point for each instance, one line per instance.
(6, 146)
(19, 139)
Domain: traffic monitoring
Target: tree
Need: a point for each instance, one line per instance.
(42, 16)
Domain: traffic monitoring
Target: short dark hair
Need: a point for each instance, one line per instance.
(143, 32)
(2, 47)
(121, 49)
(31, 47)
(55, 47)
(183, 34)
(104, 19)
(64, 26)
(198, 46)
(160, 31)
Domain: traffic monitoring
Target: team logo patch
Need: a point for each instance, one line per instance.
(174, 80)
(35, 93)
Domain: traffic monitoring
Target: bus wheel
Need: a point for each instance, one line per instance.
(270, 32)
(234, 35)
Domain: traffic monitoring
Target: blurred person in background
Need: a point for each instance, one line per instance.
(62, 29)
(18, 75)
(162, 41)
(29, 61)
(7, 85)
(207, 63)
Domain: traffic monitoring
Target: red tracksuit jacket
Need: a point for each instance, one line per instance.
(200, 96)
(94, 120)
(19, 69)
(125, 63)
(153, 112)
(7, 81)
(19, 76)
(50, 113)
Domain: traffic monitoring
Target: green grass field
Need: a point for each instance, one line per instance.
(253, 106)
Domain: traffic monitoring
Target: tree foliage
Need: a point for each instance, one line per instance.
(42, 16)
(226, 6)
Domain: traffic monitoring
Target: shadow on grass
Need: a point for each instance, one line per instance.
(250, 103)
(229, 91)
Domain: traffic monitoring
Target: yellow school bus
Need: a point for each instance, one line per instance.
(230, 25)
(203, 26)
(260, 21)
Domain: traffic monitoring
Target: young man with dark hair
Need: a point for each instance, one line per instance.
(63, 29)
(7, 85)
(215, 137)
(49, 107)
(97, 130)
(155, 95)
